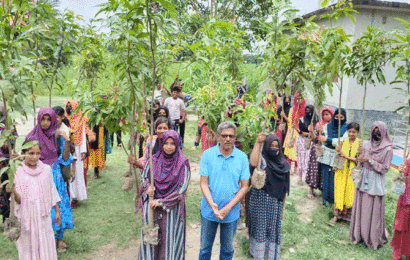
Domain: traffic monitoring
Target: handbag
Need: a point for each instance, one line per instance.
(339, 162)
(292, 140)
(319, 150)
(259, 175)
(308, 142)
(356, 174)
(399, 184)
(66, 172)
(282, 126)
(127, 181)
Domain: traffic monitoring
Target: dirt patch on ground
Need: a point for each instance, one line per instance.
(305, 206)
(112, 252)
(193, 237)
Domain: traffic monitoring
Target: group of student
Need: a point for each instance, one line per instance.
(52, 178)
(42, 194)
(312, 144)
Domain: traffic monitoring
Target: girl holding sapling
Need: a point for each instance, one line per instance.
(344, 185)
(35, 194)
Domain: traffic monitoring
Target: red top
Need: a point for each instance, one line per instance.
(404, 199)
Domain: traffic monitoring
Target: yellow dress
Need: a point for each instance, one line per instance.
(97, 157)
(290, 152)
(344, 185)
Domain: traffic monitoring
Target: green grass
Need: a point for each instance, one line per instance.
(108, 216)
(315, 239)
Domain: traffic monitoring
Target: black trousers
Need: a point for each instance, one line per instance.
(176, 125)
(118, 138)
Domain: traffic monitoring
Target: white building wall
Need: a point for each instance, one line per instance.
(332, 99)
(379, 97)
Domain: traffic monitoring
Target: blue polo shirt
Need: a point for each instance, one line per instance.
(224, 174)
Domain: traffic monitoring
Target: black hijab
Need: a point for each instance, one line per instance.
(285, 107)
(277, 170)
(307, 119)
(156, 114)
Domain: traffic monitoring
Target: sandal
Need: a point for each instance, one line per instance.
(333, 221)
(311, 195)
(62, 247)
(74, 204)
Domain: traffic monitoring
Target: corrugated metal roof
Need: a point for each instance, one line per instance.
(366, 3)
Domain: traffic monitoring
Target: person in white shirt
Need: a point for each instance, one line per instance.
(176, 109)
(160, 93)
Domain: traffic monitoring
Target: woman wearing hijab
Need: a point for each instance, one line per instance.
(368, 207)
(55, 150)
(313, 174)
(296, 113)
(171, 179)
(283, 117)
(161, 111)
(80, 129)
(330, 140)
(266, 205)
(4, 178)
(303, 132)
(97, 150)
(162, 124)
(401, 236)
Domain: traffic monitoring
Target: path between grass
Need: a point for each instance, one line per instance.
(111, 251)
(106, 226)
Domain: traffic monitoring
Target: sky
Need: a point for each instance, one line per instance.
(88, 8)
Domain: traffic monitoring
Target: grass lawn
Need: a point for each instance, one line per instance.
(108, 216)
(307, 235)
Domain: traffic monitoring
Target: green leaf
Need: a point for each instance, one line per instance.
(28, 145)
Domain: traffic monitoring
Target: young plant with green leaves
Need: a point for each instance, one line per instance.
(401, 60)
(370, 53)
(90, 59)
(284, 52)
(63, 29)
(335, 51)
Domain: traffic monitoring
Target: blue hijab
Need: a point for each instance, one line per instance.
(332, 127)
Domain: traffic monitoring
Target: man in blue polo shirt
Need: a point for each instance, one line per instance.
(224, 172)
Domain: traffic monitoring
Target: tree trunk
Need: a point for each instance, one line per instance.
(405, 151)
(364, 112)
(49, 96)
(34, 104)
(340, 110)
(151, 36)
(406, 146)
(92, 88)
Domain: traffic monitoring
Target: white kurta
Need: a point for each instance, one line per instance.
(78, 190)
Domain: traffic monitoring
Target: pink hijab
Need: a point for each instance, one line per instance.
(49, 153)
(169, 170)
(375, 150)
(329, 109)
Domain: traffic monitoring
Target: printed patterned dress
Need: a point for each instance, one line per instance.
(313, 175)
(64, 204)
(170, 218)
(292, 134)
